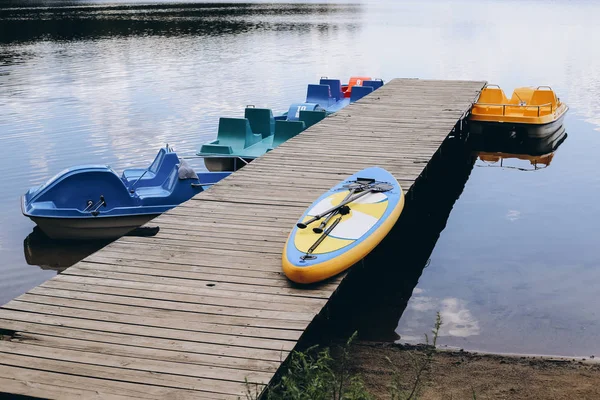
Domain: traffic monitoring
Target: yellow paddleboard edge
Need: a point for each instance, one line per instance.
(329, 268)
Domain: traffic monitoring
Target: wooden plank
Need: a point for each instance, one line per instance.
(128, 362)
(214, 284)
(229, 354)
(25, 313)
(45, 384)
(201, 273)
(181, 292)
(150, 247)
(132, 349)
(145, 263)
(149, 379)
(114, 304)
(18, 386)
(173, 238)
(223, 334)
(271, 318)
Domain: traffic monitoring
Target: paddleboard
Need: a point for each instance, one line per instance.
(319, 249)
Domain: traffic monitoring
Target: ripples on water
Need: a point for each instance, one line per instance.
(111, 82)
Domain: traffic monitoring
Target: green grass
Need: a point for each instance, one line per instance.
(314, 374)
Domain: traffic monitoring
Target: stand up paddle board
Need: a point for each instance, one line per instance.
(342, 226)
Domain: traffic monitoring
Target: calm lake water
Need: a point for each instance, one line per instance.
(514, 270)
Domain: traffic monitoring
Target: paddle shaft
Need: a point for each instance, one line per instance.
(323, 224)
(323, 236)
(343, 203)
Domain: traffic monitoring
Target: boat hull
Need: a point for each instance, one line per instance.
(225, 164)
(525, 130)
(94, 228)
(509, 141)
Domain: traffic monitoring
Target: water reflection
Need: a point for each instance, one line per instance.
(58, 255)
(507, 149)
(75, 22)
(458, 321)
(516, 253)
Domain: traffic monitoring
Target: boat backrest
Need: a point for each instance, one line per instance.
(541, 102)
(167, 163)
(74, 186)
(236, 133)
(215, 148)
(354, 81)
(319, 94)
(521, 95)
(357, 81)
(375, 84)
(261, 120)
(285, 130)
(171, 180)
(162, 165)
(293, 113)
(335, 87)
(544, 96)
(492, 95)
(172, 191)
(358, 92)
(157, 160)
(311, 117)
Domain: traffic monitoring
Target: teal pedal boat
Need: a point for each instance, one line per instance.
(241, 140)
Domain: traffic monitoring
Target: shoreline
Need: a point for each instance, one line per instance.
(459, 374)
(591, 359)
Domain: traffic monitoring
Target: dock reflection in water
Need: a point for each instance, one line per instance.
(491, 251)
(376, 292)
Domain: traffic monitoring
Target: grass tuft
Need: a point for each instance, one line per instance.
(313, 374)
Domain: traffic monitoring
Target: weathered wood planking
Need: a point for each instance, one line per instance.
(202, 307)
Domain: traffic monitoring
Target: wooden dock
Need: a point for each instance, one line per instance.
(203, 307)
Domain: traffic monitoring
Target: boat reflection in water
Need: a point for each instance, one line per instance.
(508, 149)
(58, 255)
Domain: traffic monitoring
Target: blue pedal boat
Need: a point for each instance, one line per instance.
(333, 96)
(93, 202)
(241, 140)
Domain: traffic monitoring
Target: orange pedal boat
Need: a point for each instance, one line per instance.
(537, 110)
(354, 81)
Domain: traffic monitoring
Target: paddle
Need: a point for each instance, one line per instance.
(316, 244)
(371, 188)
(358, 186)
(342, 210)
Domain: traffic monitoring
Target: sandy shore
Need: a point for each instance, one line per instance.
(464, 375)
